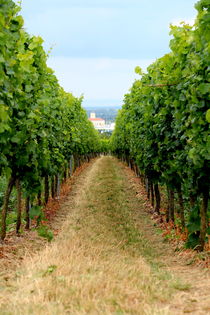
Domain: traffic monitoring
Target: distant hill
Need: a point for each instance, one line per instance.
(107, 113)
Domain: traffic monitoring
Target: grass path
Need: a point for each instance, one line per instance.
(106, 260)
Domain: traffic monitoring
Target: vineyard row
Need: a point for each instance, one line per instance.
(162, 130)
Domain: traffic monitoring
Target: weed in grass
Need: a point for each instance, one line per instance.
(179, 285)
(49, 270)
(45, 232)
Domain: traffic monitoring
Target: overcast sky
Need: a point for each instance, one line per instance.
(96, 44)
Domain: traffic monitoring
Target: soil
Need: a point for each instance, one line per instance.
(188, 271)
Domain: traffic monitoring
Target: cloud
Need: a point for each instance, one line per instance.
(100, 32)
(98, 43)
(100, 78)
(126, 29)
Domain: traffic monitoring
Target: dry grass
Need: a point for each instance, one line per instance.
(101, 263)
(94, 266)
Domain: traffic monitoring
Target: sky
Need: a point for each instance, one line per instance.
(96, 44)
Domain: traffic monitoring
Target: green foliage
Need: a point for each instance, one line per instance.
(36, 211)
(208, 115)
(11, 221)
(49, 270)
(45, 232)
(105, 135)
(164, 123)
(12, 202)
(41, 125)
(105, 145)
(193, 240)
(138, 70)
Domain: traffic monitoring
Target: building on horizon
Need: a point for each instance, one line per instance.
(100, 124)
(97, 122)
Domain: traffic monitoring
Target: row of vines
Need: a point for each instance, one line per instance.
(162, 130)
(44, 131)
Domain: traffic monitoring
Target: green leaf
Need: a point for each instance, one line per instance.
(36, 42)
(16, 139)
(208, 115)
(3, 113)
(138, 70)
(204, 88)
(2, 58)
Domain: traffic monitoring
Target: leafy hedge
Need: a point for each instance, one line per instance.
(41, 126)
(163, 126)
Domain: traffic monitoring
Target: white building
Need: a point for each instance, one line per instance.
(100, 124)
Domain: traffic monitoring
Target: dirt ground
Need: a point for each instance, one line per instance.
(108, 255)
(190, 269)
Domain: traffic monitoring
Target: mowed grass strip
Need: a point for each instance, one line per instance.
(99, 263)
